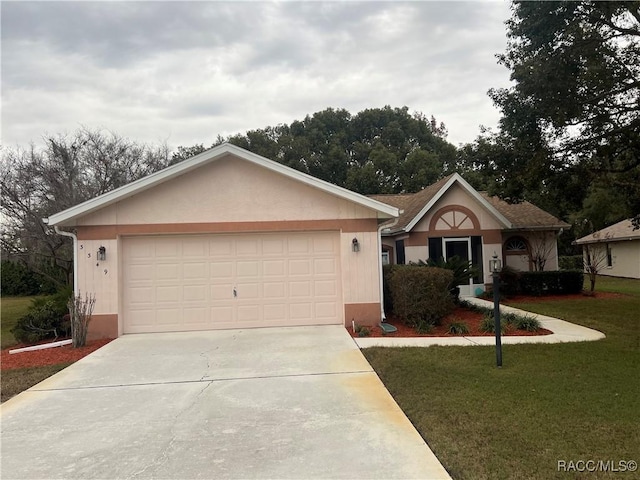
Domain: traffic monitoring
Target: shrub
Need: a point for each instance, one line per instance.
(463, 271)
(526, 322)
(510, 281)
(19, 280)
(570, 262)
(45, 318)
(458, 328)
(421, 294)
(387, 270)
(563, 282)
(362, 331)
(488, 325)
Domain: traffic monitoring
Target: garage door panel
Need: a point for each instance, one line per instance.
(300, 267)
(175, 282)
(326, 266)
(195, 247)
(300, 289)
(195, 316)
(298, 246)
(324, 288)
(221, 269)
(248, 291)
(194, 293)
(274, 290)
(166, 271)
(275, 312)
(140, 272)
(248, 269)
(166, 248)
(273, 246)
(192, 271)
(169, 294)
(222, 314)
(249, 313)
(247, 246)
(142, 295)
(168, 316)
(274, 268)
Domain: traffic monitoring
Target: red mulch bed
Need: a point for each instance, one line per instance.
(49, 356)
(460, 314)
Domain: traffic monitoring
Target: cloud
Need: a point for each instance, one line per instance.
(186, 72)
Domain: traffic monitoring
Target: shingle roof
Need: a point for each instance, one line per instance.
(620, 231)
(523, 215)
(411, 203)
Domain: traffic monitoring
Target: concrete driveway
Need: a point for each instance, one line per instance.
(296, 402)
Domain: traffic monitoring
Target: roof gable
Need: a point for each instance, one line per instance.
(415, 206)
(68, 216)
(623, 230)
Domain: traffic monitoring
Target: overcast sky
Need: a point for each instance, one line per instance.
(185, 72)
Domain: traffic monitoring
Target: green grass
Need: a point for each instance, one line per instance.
(12, 309)
(12, 382)
(576, 401)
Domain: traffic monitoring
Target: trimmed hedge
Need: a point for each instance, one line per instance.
(16, 280)
(563, 282)
(420, 295)
(570, 262)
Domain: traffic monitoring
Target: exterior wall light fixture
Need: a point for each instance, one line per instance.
(102, 254)
(355, 245)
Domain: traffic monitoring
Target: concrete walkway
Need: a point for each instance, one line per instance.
(563, 332)
(296, 403)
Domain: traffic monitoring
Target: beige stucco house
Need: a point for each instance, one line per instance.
(230, 239)
(615, 250)
(451, 218)
(227, 239)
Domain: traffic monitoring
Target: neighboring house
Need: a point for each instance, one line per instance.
(227, 239)
(615, 250)
(451, 218)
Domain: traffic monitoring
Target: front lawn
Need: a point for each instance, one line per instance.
(549, 403)
(18, 380)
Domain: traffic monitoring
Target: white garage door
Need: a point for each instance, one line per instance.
(203, 282)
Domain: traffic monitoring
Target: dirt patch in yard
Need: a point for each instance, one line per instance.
(49, 356)
(470, 318)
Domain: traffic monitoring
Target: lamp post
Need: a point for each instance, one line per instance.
(495, 266)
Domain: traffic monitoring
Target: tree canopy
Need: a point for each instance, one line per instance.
(38, 182)
(378, 150)
(570, 127)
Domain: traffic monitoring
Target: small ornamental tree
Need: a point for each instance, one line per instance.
(595, 259)
(80, 310)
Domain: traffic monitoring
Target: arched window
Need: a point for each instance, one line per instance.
(515, 245)
(455, 217)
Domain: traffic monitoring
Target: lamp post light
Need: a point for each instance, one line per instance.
(495, 266)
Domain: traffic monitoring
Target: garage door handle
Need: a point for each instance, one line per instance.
(235, 292)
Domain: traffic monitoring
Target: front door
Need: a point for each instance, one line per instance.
(458, 247)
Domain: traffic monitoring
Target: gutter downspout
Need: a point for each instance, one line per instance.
(383, 315)
(75, 253)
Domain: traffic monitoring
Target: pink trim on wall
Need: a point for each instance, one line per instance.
(103, 232)
(103, 326)
(368, 314)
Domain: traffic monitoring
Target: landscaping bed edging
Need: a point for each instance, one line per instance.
(563, 332)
